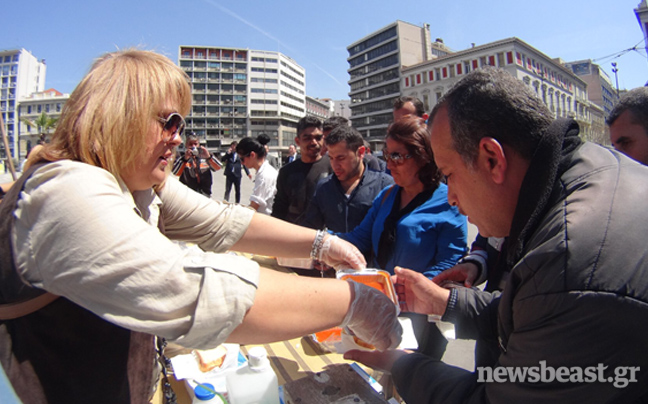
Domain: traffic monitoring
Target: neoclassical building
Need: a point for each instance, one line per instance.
(561, 90)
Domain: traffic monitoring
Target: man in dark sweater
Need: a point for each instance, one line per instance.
(343, 199)
(296, 181)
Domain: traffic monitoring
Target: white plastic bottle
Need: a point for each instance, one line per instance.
(254, 383)
(205, 394)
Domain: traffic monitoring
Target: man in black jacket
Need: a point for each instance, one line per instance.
(628, 123)
(233, 172)
(296, 181)
(572, 319)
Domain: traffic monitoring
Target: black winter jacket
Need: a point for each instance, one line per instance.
(577, 297)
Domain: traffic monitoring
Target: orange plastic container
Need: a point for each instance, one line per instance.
(376, 278)
(328, 338)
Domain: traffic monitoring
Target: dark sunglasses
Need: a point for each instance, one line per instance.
(396, 158)
(173, 125)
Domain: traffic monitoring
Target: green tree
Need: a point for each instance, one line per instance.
(42, 124)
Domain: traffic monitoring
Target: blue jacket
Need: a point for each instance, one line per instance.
(430, 239)
(331, 208)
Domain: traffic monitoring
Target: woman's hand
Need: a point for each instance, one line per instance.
(341, 254)
(373, 317)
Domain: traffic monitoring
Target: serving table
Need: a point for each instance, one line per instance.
(307, 373)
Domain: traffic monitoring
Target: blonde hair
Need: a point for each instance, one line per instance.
(107, 119)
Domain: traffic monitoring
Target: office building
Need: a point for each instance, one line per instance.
(21, 74)
(599, 85)
(240, 92)
(375, 63)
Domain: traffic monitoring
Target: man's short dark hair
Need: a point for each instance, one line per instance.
(635, 101)
(190, 137)
(347, 134)
(333, 122)
(399, 102)
(306, 122)
(489, 102)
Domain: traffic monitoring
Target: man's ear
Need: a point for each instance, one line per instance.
(296, 141)
(362, 151)
(492, 158)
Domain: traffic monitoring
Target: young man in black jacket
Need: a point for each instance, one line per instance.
(233, 172)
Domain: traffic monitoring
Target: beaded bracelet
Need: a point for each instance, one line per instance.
(317, 245)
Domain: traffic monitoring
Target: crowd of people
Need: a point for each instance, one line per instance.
(94, 242)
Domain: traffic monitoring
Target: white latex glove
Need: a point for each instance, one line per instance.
(341, 254)
(373, 317)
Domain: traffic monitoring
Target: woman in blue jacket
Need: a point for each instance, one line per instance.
(411, 224)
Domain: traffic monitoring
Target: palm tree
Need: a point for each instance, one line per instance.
(42, 124)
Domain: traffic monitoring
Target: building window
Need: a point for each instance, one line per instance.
(500, 59)
(475, 64)
(509, 58)
(29, 109)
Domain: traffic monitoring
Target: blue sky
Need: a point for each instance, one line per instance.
(70, 34)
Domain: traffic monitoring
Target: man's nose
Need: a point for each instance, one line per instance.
(452, 197)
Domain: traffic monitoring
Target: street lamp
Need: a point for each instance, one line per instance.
(616, 76)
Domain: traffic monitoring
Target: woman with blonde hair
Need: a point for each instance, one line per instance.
(90, 273)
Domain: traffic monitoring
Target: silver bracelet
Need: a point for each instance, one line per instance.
(317, 245)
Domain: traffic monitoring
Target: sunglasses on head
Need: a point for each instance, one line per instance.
(395, 158)
(173, 125)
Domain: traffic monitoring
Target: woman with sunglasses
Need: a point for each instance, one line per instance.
(411, 224)
(90, 273)
(253, 154)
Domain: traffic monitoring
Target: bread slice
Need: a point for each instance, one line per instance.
(210, 358)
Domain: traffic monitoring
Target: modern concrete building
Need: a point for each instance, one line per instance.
(599, 85)
(49, 102)
(561, 90)
(375, 63)
(21, 74)
(241, 92)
